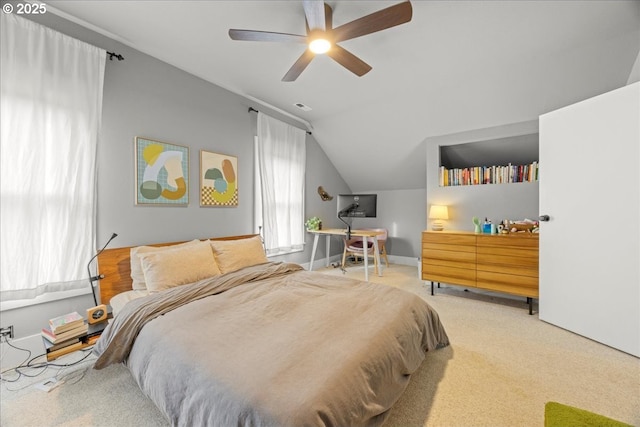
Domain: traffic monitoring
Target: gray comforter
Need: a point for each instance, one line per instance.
(273, 345)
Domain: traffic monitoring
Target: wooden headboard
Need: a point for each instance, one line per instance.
(115, 266)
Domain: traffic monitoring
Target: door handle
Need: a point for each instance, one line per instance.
(544, 218)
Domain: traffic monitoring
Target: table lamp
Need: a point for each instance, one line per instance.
(437, 213)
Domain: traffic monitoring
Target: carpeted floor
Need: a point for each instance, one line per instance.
(501, 368)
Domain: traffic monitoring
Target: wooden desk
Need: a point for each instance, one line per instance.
(365, 234)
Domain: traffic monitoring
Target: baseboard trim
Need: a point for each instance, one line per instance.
(393, 259)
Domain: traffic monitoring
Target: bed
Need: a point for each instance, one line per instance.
(261, 343)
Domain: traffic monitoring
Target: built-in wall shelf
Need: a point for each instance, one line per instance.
(479, 175)
(496, 161)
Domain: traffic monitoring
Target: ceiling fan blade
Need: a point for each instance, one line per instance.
(298, 67)
(328, 17)
(349, 60)
(314, 12)
(265, 36)
(377, 21)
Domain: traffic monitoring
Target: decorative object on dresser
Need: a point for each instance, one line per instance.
(477, 228)
(437, 213)
(527, 225)
(496, 262)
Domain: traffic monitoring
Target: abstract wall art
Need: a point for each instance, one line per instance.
(218, 179)
(162, 173)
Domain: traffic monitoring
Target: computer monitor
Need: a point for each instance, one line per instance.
(357, 205)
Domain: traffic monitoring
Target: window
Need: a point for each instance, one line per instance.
(280, 173)
(51, 95)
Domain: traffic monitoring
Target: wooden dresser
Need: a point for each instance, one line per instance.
(497, 262)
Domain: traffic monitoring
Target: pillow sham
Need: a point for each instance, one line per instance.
(137, 275)
(232, 255)
(188, 264)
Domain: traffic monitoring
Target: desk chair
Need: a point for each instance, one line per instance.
(354, 247)
(382, 239)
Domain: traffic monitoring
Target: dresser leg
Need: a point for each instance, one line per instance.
(530, 302)
(432, 287)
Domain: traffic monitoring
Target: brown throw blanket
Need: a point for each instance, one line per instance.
(273, 345)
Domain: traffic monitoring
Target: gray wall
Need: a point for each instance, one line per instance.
(146, 97)
(495, 201)
(402, 213)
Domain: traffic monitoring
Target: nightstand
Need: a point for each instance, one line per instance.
(86, 340)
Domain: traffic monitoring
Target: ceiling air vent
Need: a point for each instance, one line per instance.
(303, 107)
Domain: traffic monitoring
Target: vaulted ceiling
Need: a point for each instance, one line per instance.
(457, 66)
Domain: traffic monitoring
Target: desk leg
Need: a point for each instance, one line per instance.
(376, 254)
(328, 250)
(313, 251)
(365, 245)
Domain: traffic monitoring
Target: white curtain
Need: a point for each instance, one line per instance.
(51, 100)
(281, 158)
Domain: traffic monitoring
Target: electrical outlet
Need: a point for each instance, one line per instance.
(7, 331)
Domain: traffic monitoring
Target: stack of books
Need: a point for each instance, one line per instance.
(64, 331)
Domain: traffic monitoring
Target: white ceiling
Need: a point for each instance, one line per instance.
(457, 66)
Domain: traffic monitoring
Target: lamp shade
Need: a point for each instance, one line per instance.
(438, 212)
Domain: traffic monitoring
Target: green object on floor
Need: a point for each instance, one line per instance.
(559, 415)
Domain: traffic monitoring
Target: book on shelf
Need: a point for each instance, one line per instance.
(65, 322)
(73, 333)
(479, 175)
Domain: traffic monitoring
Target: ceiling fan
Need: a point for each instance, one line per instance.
(323, 38)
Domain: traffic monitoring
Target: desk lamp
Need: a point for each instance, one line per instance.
(99, 312)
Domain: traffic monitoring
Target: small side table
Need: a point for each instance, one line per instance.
(86, 340)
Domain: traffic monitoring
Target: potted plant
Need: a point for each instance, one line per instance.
(313, 223)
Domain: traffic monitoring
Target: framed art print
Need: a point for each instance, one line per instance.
(162, 173)
(218, 179)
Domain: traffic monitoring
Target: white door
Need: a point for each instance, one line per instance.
(590, 247)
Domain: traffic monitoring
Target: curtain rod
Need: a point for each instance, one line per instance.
(117, 56)
(256, 111)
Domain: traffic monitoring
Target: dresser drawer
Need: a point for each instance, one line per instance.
(509, 283)
(448, 274)
(449, 239)
(525, 258)
(512, 240)
(435, 255)
(514, 270)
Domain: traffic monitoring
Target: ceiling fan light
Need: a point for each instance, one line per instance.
(320, 45)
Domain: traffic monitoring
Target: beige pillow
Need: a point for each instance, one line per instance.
(137, 275)
(187, 264)
(232, 255)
